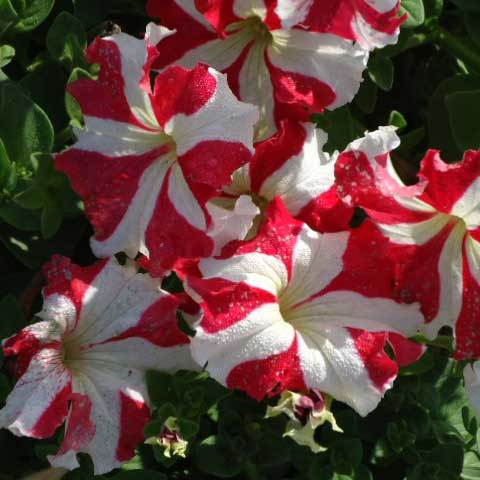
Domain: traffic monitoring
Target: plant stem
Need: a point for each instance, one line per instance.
(457, 46)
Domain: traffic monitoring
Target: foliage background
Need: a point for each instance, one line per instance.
(428, 85)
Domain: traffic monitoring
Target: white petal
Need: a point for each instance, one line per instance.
(44, 379)
(114, 302)
(255, 269)
(133, 55)
(256, 88)
(304, 176)
(328, 58)
(317, 260)
(467, 206)
(272, 340)
(129, 235)
(450, 269)
(116, 139)
(183, 199)
(223, 118)
(207, 345)
(220, 54)
(292, 12)
(415, 233)
(331, 363)
(250, 8)
(370, 38)
(231, 224)
(350, 309)
(472, 251)
(102, 383)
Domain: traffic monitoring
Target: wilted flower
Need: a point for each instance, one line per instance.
(307, 412)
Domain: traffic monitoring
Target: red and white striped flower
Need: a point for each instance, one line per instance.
(435, 226)
(371, 23)
(84, 364)
(273, 59)
(148, 160)
(296, 309)
(293, 166)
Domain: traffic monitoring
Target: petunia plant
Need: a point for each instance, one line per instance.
(226, 252)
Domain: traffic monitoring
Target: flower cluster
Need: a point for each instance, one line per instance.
(197, 157)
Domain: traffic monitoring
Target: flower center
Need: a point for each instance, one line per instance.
(460, 222)
(286, 308)
(71, 352)
(255, 27)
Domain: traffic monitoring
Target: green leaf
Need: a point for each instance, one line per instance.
(433, 8)
(8, 16)
(24, 125)
(472, 22)
(30, 13)
(448, 456)
(27, 247)
(471, 466)
(410, 140)
(188, 429)
(381, 71)
(13, 318)
(6, 54)
(73, 108)
(139, 475)
(415, 11)
(214, 458)
(32, 198)
(467, 5)
(346, 455)
(5, 166)
(343, 129)
(45, 86)
(382, 453)
(439, 127)
(464, 111)
(397, 120)
(273, 449)
(91, 13)
(366, 98)
(25, 220)
(160, 387)
(67, 40)
(362, 473)
(51, 218)
(424, 364)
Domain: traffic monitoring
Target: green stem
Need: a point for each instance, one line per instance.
(458, 47)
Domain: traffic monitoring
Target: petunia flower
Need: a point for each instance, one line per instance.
(294, 309)
(371, 23)
(434, 225)
(272, 58)
(293, 166)
(84, 363)
(148, 160)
